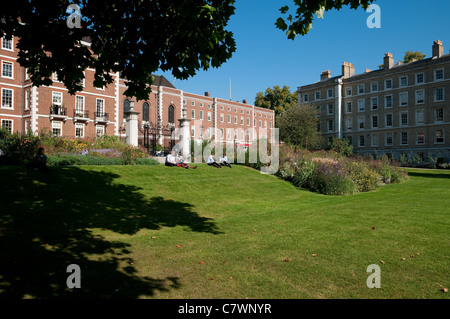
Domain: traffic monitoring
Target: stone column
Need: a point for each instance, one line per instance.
(185, 137)
(132, 126)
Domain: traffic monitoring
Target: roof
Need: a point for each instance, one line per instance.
(160, 80)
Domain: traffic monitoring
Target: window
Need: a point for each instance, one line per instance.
(330, 109)
(79, 105)
(248, 121)
(330, 93)
(361, 122)
(7, 98)
(420, 96)
(126, 106)
(388, 84)
(236, 121)
(192, 114)
(420, 78)
(438, 74)
(229, 118)
(439, 115)
(389, 120)
(403, 81)
(193, 131)
(360, 88)
(439, 95)
(388, 101)
(100, 130)
(439, 136)
(404, 138)
(374, 103)
(201, 104)
(27, 99)
(193, 103)
(375, 140)
(403, 99)
(348, 107)
(317, 95)
(403, 118)
(201, 114)
(184, 102)
(221, 117)
(305, 97)
(209, 106)
(79, 129)
(420, 137)
(100, 108)
(374, 121)
(361, 105)
(145, 112)
(57, 128)
(209, 116)
(330, 125)
(8, 125)
(235, 111)
(362, 141)
(348, 91)
(242, 120)
(7, 44)
(221, 133)
(172, 114)
(260, 124)
(349, 124)
(374, 87)
(389, 140)
(221, 107)
(420, 119)
(7, 69)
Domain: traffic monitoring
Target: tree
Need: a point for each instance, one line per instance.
(411, 56)
(305, 11)
(298, 126)
(276, 98)
(135, 38)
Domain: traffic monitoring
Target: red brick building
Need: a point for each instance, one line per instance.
(94, 111)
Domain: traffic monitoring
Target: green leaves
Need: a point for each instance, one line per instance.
(305, 11)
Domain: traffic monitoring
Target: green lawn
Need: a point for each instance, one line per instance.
(159, 232)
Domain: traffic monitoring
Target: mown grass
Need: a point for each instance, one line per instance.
(159, 232)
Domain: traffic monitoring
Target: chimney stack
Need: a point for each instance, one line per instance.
(438, 49)
(325, 75)
(244, 101)
(206, 93)
(388, 61)
(348, 69)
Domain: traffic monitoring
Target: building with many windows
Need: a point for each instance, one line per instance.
(97, 111)
(398, 109)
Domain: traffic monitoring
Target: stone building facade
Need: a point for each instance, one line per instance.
(400, 109)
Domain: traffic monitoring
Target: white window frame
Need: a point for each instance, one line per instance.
(12, 69)
(361, 120)
(435, 136)
(401, 118)
(193, 114)
(372, 86)
(436, 115)
(386, 120)
(330, 107)
(435, 94)
(435, 73)
(349, 124)
(82, 126)
(330, 95)
(209, 116)
(201, 115)
(77, 109)
(417, 137)
(12, 44)
(400, 81)
(10, 121)
(97, 127)
(373, 140)
(423, 78)
(417, 100)
(222, 117)
(330, 122)
(363, 109)
(359, 141)
(417, 117)
(228, 118)
(57, 123)
(400, 99)
(371, 121)
(347, 104)
(392, 84)
(102, 106)
(359, 89)
(12, 98)
(386, 100)
(372, 104)
(401, 138)
(348, 91)
(388, 134)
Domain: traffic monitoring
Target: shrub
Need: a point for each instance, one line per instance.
(66, 160)
(332, 179)
(17, 148)
(365, 179)
(304, 175)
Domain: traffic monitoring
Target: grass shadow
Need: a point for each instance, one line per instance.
(430, 174)
(46, 223)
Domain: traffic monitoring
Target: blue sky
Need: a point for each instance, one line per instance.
(265, 57)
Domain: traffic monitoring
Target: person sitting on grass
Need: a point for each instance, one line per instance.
(180, 162)
(170, 160)
(40, 161)
(224, 161)
(212, 162)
